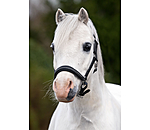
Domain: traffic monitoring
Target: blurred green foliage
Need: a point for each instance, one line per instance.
(40, 71)
(106, 18)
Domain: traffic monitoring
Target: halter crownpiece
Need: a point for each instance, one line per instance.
(70, 69)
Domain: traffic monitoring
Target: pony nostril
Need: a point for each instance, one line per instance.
(62, 85)
(70, 84)
(55, 85)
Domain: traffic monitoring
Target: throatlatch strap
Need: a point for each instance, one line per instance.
(95, 48)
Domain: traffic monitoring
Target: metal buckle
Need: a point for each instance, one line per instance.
(83, 90)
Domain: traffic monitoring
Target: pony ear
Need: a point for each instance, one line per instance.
(83, 15)
(60, 16)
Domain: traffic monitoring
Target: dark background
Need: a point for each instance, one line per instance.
(106, 18)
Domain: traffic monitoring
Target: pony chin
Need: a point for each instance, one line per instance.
(65, 100)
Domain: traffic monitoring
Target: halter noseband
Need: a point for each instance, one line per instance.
(84, 84)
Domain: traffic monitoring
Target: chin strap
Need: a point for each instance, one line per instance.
(70, 69)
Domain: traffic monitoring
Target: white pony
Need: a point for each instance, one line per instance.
(85, 102)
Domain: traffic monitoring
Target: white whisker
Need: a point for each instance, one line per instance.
(49, 91)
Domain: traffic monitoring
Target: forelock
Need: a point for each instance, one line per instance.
(65, 28)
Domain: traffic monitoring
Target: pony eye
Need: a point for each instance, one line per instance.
(52, 46)
(87, 46)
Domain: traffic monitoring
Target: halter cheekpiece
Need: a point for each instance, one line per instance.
(70, 69)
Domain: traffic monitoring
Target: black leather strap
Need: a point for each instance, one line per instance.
(69, 69)
(90, 67)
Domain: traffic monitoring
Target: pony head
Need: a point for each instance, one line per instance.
(72, 46)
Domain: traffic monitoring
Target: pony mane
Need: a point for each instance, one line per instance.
(99, 54)
(67, 26)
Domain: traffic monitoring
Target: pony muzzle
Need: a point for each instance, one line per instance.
(66, 91)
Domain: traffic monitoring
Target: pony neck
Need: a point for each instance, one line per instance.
(92, 99)
(96, 85)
